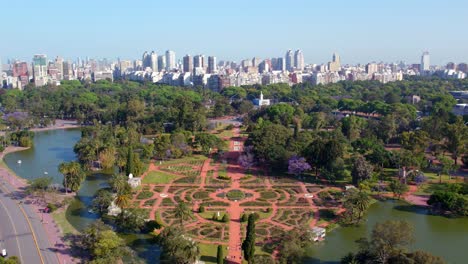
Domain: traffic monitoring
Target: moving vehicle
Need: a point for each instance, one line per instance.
(4, 253)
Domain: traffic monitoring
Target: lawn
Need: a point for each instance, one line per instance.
(61, 220)
(158, 177)
(209, 252)
(183, 160)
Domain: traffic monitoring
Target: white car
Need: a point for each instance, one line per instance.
(4, 253)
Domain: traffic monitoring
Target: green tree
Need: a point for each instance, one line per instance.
(131, 219)
(130, 165)
(102, 244)
(398, 188)
(102, 200)
(182, 212)
(177, 246)
(220, 255)
(456, 136)
(362, 170)
(73, 175)
(355, 203)
(249, 243)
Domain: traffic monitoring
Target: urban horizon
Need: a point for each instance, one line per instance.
(179, 58)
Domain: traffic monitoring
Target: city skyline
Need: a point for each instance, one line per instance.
(400, 30)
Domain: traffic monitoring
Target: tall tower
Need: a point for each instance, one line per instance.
(154, 61)
(59, 65)
(425, 63)
(40, 69)
(299, 60)
(161, 62)
(199, 61)
(170, 60)
(212, 67)
(289, 60)
(187, 63)
(145, 60)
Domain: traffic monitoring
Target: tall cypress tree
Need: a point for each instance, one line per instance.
(220, 255)
(249, 243)
(130, 168)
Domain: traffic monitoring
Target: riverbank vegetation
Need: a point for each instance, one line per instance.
(389, 242)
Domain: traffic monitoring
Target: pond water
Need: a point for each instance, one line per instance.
(441, 236)
(54, 147)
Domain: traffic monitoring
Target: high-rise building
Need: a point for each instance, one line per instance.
(289, 60)
(425, 63)
(463, 67)
(451, 66)
(199, 61)
(170, 60)
(67, 71)
(372, 68)
(161, 62)
(256, 62)
(299, 60)
(146, 60)
(187, 63)
(154, 61)
(335, 64)
(40, 69)
(59, 66)
(212, 67)
(280, 64)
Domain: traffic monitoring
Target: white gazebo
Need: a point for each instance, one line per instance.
(133, 182)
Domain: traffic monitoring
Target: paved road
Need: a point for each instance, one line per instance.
(21, 230)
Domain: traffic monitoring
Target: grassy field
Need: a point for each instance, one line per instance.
(61, 220)
(182, 160)
(158, 177)
(209, 253)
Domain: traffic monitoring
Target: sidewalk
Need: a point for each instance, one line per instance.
(54, 234)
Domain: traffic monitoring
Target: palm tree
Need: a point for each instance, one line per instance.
(73, 175)
(362, 202)
(191, 251)
(182, 212)
(122, 200)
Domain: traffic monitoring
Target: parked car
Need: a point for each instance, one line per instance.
(4, 253)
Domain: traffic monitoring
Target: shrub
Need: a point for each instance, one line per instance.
(225, 218)
(145, 195)
(229, 127)
(268, 210)
(256, 216)
(52, 207)
(201, 209)
(214, 217)
(244, 218)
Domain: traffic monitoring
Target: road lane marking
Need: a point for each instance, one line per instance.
(29, 223)
(14, 229)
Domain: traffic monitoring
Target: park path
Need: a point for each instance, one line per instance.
(235, 233)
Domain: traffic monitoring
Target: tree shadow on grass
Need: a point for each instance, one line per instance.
(208, 259)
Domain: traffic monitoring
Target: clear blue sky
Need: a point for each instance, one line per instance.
(360, 30)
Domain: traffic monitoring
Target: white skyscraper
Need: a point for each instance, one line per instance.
(425, 63)
(154, 61)
(299, 60)
(170, 60)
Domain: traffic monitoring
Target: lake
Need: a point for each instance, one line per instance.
(54, 147)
